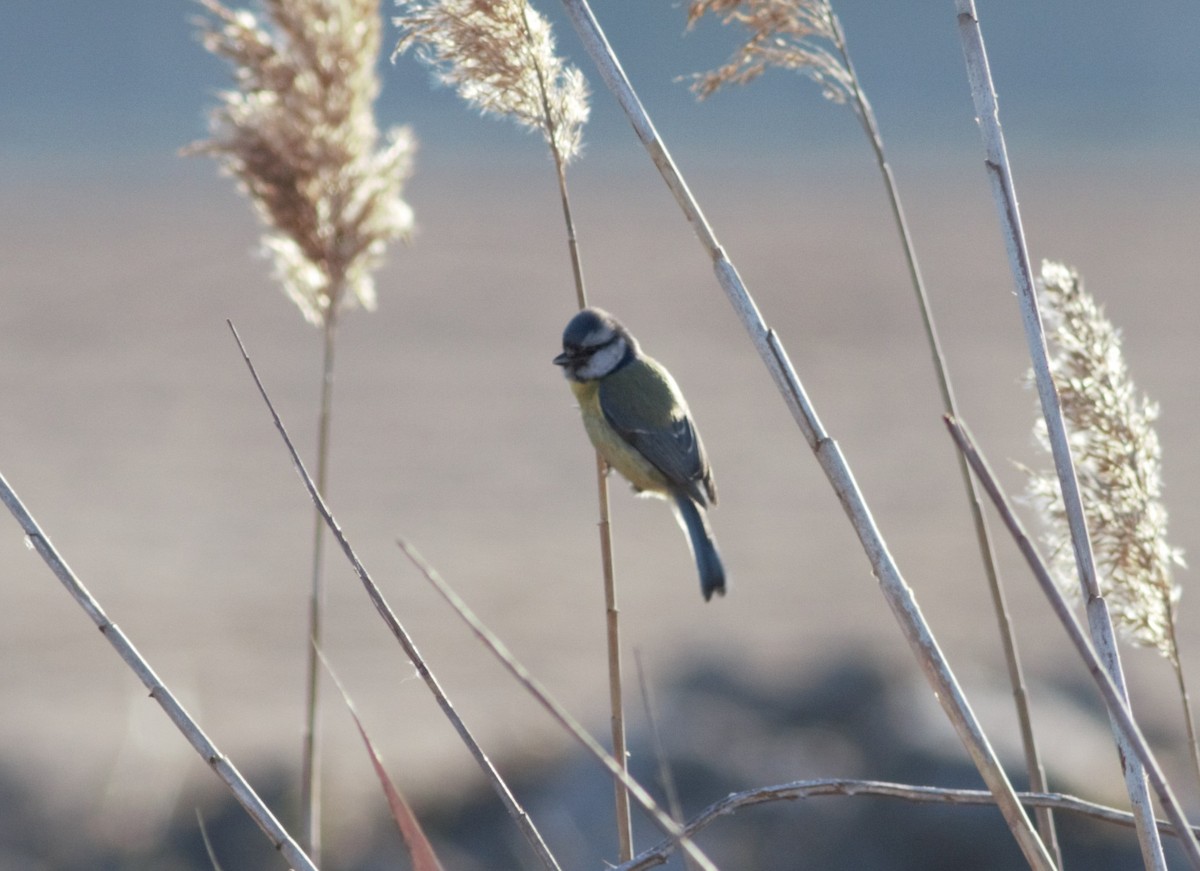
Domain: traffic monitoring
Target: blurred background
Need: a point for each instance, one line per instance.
(134, 434)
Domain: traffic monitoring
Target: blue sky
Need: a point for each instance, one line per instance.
(128, 80)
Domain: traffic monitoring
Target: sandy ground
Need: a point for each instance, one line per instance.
(132, 431)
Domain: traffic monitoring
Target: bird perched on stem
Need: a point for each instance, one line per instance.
(638, 420)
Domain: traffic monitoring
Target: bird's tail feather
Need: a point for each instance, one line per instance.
(695, 523)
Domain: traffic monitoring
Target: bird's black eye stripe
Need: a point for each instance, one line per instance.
(592, 349)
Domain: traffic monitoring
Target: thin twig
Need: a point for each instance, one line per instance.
(1004, 192)
(1185, 697)
(1117, 703)
(804, 789)
(665, 778)
(560, 714)
(183, 721)
(520, 817)
(900, 598)
(208, 846)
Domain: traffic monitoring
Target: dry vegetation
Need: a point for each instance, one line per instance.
(298, 133)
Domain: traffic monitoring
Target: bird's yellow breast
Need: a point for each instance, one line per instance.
(617, 452)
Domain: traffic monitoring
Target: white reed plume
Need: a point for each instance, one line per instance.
(299, 134)
(799, 35)
(1118, 463)
(499, 55)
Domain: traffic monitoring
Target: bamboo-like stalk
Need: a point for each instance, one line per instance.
(183, 721)
(535, 688)
(1098, 665)
(1004, 192)
(805, 789)
(1034, 769)
(515, 810)
(899, 597)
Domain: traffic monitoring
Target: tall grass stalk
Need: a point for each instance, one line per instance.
(899, 596)
(798, 35)
(1099, 620)
(668, 826)
(1099, 666)
(299, 134)
(515, 810)
(661, 818)
(500, 57)
(178, 715)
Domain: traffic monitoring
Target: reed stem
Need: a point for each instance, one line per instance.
(612, 620)
(310, 783)
(999, 173)
(178, 715)
(899, 596)
(514, 808)
(1034, 769)
(1099, 666)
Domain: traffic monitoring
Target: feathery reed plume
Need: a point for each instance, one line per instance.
(790, 34)
(1118, 464)
(299, 134)
(499, 56)
(1117, 460)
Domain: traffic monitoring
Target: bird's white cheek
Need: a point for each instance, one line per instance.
(603, 361)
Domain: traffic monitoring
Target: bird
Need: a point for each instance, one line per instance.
(639, 422)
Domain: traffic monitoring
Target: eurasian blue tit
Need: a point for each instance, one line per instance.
(638, 420)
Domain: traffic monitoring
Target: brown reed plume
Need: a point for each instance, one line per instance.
(1118, 462)
(797, 35)
(299, 134)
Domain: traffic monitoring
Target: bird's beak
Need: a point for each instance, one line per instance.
(562, 359)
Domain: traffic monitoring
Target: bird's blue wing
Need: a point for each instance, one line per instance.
(647, 410)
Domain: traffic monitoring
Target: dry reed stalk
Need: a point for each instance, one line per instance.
(1118, 461)
(999, 173)
(1098, 665)
(669, 827)
(515, 810)
(805, 789)
(299, 134)
(892, 584)
(806, 36)
(178, 715)
(499, 55)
